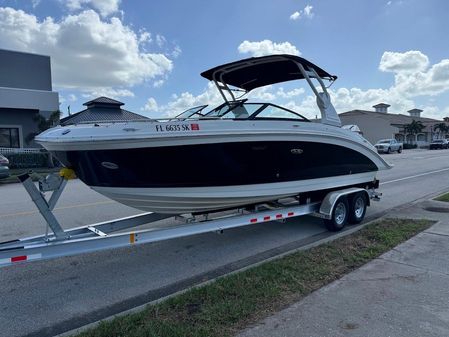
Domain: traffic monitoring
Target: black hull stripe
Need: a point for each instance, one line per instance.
(220, 164)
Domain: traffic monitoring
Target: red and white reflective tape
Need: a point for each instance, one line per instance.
(20, 258)
(274, 217)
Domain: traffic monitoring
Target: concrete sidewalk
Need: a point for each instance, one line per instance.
(404, 292)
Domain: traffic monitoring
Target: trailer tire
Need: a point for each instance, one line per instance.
(357, 209)
(339, 215)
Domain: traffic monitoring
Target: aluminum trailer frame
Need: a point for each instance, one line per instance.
(101, 236)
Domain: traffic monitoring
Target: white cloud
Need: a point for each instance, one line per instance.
(410, 62)
(262, 93)
(144, 36)
(150, 105)
(295, 16)
(267, 47)
(413, 77)
(160, 40)
(87, 53)
(158, 83)
(184, 101)
(176, 51)
(109, 92)
(289, 94)
(307, 12)
(345, 99)
(104, 7)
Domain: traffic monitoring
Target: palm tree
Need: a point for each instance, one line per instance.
(43, 124)
(442, 127)
(414, 127)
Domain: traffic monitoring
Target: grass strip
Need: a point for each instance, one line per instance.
(229, 304)
(444, 197)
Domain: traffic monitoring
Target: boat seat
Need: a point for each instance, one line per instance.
(240, 112)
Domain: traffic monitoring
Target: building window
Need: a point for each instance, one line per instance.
(9, 137)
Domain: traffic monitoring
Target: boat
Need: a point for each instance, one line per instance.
(237, 154)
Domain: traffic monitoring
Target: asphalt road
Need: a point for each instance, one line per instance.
(49, 297)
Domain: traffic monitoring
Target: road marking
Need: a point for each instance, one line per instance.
(58, 208)
(414, 176)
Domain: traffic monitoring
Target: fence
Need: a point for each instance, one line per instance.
(27, 158)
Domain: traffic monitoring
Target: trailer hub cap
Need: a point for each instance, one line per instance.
(359, 207)
(340, 213)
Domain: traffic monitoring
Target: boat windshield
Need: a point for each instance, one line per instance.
(243, 110)
(192, 112)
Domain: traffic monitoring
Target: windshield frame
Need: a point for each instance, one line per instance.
(253, 116)
(196, 111)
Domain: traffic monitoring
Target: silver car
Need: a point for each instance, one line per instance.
(388, 146)
(4, 169)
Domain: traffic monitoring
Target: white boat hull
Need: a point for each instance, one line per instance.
(204, 199)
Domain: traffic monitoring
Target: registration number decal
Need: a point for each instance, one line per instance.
(177, 127)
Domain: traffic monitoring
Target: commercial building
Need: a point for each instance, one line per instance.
(25, 94)
(381, 124)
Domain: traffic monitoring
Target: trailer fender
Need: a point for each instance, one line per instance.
(328, 203)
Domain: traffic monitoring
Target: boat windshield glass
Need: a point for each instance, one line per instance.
(192, 112)
(221, 110)
(243, 110)
(271, 111)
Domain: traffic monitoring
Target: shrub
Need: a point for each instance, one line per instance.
(410, 146)
(27, 160)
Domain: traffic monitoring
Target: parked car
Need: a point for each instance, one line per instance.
(4, 168)
(388, 146)
(439, 144)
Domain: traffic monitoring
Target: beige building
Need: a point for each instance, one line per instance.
(380, 124)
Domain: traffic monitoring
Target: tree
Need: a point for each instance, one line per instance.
(414, 127)
(43, 124)
(442, 127)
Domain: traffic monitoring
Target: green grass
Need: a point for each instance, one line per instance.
(227, 305)
(444, 197)
(36, 174)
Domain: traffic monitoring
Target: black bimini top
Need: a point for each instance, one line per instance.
(256, 72)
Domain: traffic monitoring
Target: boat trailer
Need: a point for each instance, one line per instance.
(57, 242)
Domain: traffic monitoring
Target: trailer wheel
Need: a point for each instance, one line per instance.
(339, 215)
(357, 209)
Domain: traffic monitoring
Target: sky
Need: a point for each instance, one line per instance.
(149, 54)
